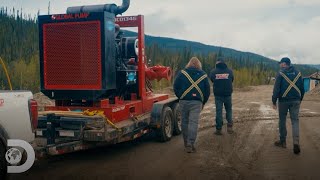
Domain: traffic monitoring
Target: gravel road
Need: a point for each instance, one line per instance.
(249, 153)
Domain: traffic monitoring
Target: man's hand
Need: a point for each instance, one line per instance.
(275, 107)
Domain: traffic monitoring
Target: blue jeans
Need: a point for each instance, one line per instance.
(227, 102)
(293, 108)
(190, 112)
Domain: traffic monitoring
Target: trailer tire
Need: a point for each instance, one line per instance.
(165, 132)
(3, 162)
(177, 119)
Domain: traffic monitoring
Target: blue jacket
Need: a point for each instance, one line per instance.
(281, 85)
(222, 78)
(181, 84)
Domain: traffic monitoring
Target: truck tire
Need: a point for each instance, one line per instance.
(165, 132)
(177, 119)
(3, 162)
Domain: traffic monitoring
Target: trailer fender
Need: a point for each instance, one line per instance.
(157, 110)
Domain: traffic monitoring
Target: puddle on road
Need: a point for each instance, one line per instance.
(267, 111)
(308, 111)
(262, 126)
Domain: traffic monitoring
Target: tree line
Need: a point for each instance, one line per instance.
(247, 72)
(20, 51)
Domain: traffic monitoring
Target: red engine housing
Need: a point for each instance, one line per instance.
(119, 109)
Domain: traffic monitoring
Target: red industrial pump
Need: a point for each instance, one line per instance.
(87, 63)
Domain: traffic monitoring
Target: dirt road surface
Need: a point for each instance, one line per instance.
(249, 153)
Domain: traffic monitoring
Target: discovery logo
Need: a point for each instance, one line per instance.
(14, 156)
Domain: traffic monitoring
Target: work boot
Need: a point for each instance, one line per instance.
(218, 132)
(280, 144)
(296, 149)
(188, 149)
(230, 130)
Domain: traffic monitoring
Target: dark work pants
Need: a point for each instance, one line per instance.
(293, 108)
(190, 112)
(227, 102)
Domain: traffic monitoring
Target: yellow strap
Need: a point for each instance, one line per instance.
(292, 84)
(6, 72)
(100, 113)
(193, 85)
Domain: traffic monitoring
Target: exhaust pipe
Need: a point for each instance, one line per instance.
(124, 7)
(111, 8)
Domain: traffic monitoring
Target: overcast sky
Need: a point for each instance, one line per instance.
(273, 28)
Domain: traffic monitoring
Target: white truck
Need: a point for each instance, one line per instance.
(18, 119)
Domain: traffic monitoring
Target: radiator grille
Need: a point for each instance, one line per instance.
(72, 55)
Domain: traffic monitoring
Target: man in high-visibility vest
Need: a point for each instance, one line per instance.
(289, 91)
(192, 88)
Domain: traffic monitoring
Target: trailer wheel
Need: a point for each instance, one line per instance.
(3, 162)
(164, 133)
(177, 119)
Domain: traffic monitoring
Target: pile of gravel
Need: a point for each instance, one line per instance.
(42, 101)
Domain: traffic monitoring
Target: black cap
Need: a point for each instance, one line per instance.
(285, 60)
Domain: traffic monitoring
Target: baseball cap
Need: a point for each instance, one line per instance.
(285, 60)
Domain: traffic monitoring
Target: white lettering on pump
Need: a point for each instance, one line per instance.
(118, 109)
(125, 19)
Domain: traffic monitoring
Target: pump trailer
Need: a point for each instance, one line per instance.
(100, 82)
